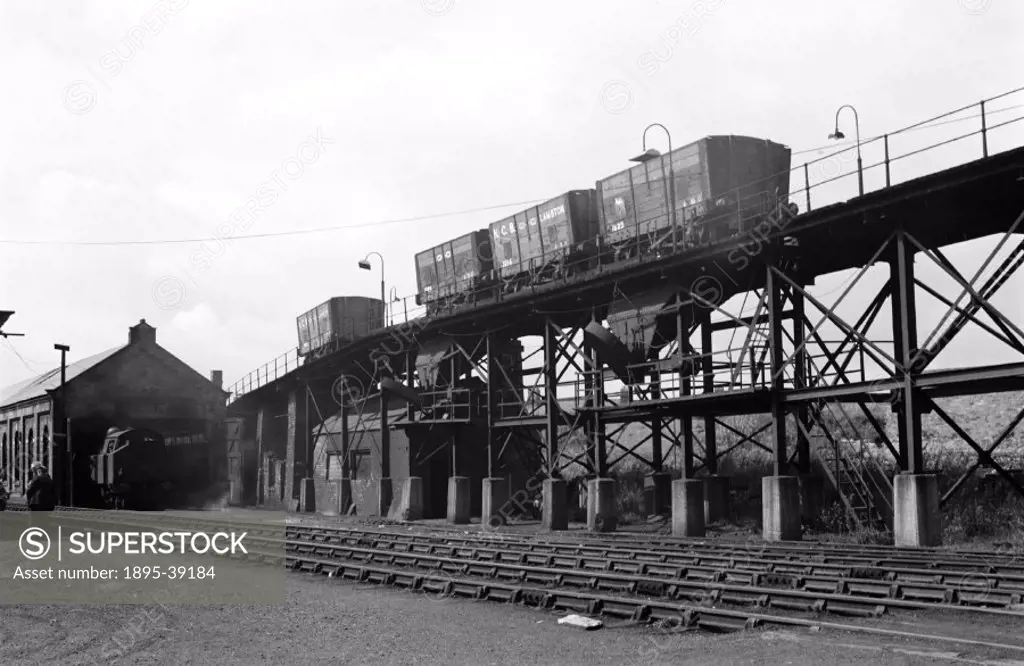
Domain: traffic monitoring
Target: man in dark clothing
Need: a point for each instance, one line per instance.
(40, 495)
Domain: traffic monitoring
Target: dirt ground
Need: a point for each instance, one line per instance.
(337, 622)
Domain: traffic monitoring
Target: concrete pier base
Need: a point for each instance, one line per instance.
(495, 503)
(307, 496)
(780, 517)
(688, 508)
(812, 489)
(410, 500)
(917, 521)
(716, 498)
(601, 515)
(555, 515)
(458, 500)
(383, 497)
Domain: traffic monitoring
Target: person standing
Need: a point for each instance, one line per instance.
(40, 496)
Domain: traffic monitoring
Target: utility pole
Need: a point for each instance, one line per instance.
(65, 426)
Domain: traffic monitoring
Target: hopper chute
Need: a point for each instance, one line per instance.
(430, 361)
(637, 326)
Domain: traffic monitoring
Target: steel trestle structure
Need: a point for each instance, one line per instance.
(653, 361)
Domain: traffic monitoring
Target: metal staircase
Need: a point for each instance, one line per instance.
(861, 484)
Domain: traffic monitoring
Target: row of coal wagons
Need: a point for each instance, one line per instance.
(721, 186)
(338, 321)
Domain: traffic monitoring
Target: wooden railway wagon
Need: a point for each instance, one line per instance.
(722, 186)
(449, 273)
(542, 243)
(341, 319)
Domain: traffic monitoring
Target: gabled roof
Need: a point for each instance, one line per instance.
(38, 386)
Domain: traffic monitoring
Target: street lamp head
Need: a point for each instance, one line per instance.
(646, 156)
(837, 135)
(364, 264)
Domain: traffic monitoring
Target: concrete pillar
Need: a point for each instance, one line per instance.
(688, 508)
(601, 514)
(780, 517)
(917, 520)
(555, 515)
(410, 500)
(384, 496)
(812, 490)
(716, 498)
(458, 500)
(661, 495)
(495, 503)
(307, 496)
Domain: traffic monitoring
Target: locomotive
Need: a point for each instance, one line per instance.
(138, 468)
(700, 194)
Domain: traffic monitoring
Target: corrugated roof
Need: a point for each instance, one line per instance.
(38, 386)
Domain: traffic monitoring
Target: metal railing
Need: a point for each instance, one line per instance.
(820, 187)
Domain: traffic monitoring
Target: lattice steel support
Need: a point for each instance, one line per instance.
(904, 328)
(708, 372)
(551, 397)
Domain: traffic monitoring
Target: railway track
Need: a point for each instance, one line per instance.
(574, 570)
(997, 582)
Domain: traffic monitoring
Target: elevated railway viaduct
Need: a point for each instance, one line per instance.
(654, 342)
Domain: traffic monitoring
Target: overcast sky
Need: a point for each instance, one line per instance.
(139, 121)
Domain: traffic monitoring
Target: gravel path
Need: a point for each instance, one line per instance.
(336, 622)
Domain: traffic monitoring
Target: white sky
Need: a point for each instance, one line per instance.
(424, 107)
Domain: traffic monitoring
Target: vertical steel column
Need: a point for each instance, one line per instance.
(685, 388)
(261, 433)
(708, 371)
(601, 465)
(800, 370)
(492, 400)
(454, 438)
(346, 449)
(904, 327)
(551, 394)
(590, 400)
(657, 454)
(774, 288)
(307, 472)
(385, 437)
(410, 381)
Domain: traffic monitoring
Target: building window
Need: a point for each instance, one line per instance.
(46, 446)
(30, 449)
(271, 469)
(334, 466)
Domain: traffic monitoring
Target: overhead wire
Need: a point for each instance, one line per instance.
(7, 343)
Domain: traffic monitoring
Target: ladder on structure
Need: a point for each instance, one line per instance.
(862, 485)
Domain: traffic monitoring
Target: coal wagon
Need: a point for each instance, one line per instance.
(453, 272)
(545, 242)
(340, 320)
(720, 185)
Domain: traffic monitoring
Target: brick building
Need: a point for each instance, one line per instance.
(139, 384)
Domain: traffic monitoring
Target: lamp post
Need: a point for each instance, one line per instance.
(365, 265)
(65, 426)
(651, 154)
(837, 135)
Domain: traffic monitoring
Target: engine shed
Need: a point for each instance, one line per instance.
(139, 385)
